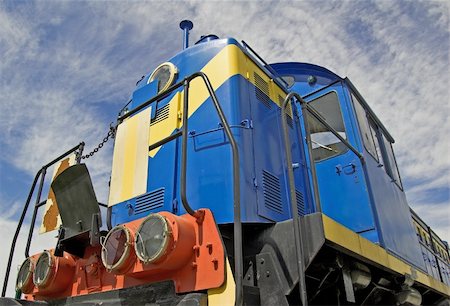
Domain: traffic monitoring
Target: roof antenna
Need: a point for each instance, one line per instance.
(186, 26)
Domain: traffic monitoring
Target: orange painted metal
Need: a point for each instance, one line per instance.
(194, 260)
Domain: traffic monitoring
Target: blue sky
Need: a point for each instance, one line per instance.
(66, 69)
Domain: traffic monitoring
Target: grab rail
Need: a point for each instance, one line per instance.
(298, 238)
(238, 257)
(40, 174)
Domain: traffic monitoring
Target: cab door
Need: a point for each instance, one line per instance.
(342, 187)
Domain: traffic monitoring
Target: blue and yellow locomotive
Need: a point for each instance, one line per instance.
(239, 182)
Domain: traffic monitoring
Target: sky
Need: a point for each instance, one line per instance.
(68, 67)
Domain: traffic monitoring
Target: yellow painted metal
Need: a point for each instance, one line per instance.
(164, 128)
(230, 61)
(225, 294)
(51, 219)
(342, 237)
(130, 160)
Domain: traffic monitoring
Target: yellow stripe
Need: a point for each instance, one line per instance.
(230, 61)
(225, 294)
(347, 239)
(130, 161)
(130, 155)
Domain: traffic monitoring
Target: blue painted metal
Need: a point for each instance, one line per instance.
(186, 26)
(362, 199)
(376, 200)
(143, 94)
(341, 180)
(209, 177)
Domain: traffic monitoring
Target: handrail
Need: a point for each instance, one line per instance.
(266, 66)
(41, 173)
(198, 214)
(297, 236)
(317, 116)
(299, 246)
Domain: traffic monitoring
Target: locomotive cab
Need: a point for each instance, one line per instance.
(363, 192)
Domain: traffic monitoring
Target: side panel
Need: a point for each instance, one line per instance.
(395, 222)
(130, 161)
(342, 185)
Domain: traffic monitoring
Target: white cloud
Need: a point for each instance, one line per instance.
(39, 243)
(67, 68)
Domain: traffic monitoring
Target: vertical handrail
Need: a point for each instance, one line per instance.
(238, 256)
(41, 173)
(299, 246)
(183, 193)
(16, 234)
(33, 219)
(297, 236)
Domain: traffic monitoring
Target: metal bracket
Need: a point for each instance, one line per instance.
(348, 285)
(94, 235)
(269, 281)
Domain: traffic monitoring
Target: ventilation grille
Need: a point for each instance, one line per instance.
(300, 203)
(272, 192)
(161, 114)
(262, 90)
(288, 111)
(149, 201)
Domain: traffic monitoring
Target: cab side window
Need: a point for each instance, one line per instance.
(324, 143)
(376, 142)
(367, 128)
(391, 163)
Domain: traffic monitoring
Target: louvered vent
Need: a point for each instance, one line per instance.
(300, 203)
(262, 90)
(149, 201)
(288, 111)
(272, 192)
(161, 114)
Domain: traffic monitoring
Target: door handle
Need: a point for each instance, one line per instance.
(347, 169)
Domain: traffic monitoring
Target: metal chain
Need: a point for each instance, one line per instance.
(111, 133)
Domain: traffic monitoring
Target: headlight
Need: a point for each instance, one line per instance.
(24, 280)
(165, 75)
(44, 269)
(152, 239)
(116, 249)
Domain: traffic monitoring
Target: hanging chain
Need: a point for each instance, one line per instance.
(111, 133)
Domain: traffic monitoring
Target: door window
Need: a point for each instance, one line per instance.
(391, 163)
(368, 133)
(324, 143)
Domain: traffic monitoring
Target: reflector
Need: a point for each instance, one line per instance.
(165, 75)
(152, 238)
(43, 270)
(24, 280)
(116, 248)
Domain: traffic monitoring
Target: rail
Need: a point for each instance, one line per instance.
(299, 245)
(40, 174)
(185, 83)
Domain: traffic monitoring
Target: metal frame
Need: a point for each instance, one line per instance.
(299, 244)
(41, 173)
(198, 214)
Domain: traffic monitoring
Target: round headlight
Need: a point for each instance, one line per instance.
(165, 75)
(152, 238)
(43, 270)
(24, 280)
(116, 248)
